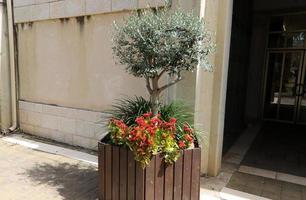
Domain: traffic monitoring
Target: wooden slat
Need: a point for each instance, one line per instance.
(123, 173)
(195, 178)
(101, 165)
(115, 173)
(159, 177)
(108, 172)
(140, 182)
(178, 172)
(169, 182)
(149, 185)
(187, 175)
(131, 176)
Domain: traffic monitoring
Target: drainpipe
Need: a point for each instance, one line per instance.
(12, 65)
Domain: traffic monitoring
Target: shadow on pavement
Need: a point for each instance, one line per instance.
(73, 181)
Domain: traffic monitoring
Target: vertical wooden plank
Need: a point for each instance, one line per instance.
(131, 176)
(123, 173)
(150, 176)
(108, 172)
(187, 174)
(178, 172)
(140, 182)
(101, 170)
(115, 173)
(195, 177)
(159, 177)
(169, 182)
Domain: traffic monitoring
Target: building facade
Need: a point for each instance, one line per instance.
(67, 76)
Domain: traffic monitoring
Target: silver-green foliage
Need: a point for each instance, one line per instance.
(155, 42)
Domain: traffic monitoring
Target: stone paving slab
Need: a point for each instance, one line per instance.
(34, 175)
(279, 147)
(265, 187)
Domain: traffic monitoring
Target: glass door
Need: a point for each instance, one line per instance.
(285, 86)
(290, 81)
(284, 69)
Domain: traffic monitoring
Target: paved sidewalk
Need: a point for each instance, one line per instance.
(265, 187)
(35, 175)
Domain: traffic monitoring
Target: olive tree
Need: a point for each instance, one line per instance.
(157, 42)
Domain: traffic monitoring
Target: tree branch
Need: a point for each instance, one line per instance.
(161, 73)
(179, 78)
(148, 85)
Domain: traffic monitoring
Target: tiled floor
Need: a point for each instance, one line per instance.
(280, 148)
(265, 187)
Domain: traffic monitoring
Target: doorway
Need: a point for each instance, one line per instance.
(285, 84)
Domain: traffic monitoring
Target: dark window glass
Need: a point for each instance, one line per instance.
(277, 40)
(295, 22)
(273, 84)
(276, 23)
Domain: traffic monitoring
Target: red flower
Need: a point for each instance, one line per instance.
(182, 144)
(152, 130)
(144, 138)
(169, 126)
(156, 120)
(172, 121)
(140, 121)
(147, 115)
(187, 129)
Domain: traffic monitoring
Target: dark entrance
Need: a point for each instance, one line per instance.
(267, 83)
(285, 69)
(279, 147)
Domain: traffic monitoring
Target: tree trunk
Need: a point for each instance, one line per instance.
(155, 96)
(155, 102)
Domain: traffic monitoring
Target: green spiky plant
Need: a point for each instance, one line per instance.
(128, 109)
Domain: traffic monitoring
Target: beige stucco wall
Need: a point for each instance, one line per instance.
(70, 63)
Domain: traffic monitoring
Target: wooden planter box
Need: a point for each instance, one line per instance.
(122, 178)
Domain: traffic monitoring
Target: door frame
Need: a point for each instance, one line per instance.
(301, 87)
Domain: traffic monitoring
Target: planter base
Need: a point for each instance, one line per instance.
(121, 177)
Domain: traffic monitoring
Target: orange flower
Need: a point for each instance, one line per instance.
(188, 138)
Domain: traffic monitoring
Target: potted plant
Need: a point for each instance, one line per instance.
(151, 152)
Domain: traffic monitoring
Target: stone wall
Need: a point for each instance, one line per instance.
(34, 10)
(72, 126)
